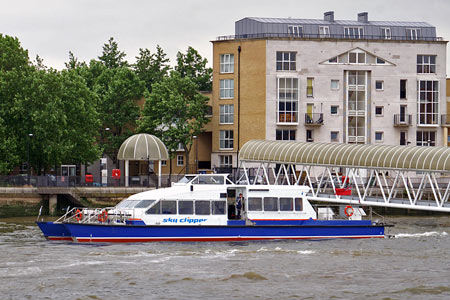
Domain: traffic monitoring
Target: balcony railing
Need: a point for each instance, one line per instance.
(313, 119)
(323, 36)
(402, 120)
(445, 120)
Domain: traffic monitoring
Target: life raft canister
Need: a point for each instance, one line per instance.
(348, 211)
(78, 215)
(103, 216)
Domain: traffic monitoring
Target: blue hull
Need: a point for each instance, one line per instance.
(310, 229)
(55, 231)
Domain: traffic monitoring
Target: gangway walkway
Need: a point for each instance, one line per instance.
(408, 177)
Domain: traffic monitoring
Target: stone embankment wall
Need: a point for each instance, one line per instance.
(26, 201)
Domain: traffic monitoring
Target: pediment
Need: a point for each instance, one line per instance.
(357, 56)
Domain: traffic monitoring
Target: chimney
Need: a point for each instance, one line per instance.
(328, 16)
(363, 17)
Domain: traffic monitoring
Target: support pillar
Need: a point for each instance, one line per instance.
(127, 171)
(159, 173)
(52, 204)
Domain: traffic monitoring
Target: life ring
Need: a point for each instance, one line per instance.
(103, 216)
(348, 211)
(78, 215)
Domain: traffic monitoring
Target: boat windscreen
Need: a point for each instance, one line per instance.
(144, 203)
(186, 179)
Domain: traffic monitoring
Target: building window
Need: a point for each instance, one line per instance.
(426, 138)
(334, 84)
(379, 111)
(226, 88)
(324, 31)
(180, 160)
(333, 60)
(334, 109)
(403, 88)
(428, 102)
(226, 161)
(380, 61)
(379, 85)
(309, 87)
(163, 163)
(285, 135)
(426, 63)
(357, 57)
(296, 31)
(334, 136)
(226, 139)
(403, 138)
(286, 61)
(287, 100)
(354, 32)
(226, 63)
(412, 33)
(226, 114)
(309, 135)
(385, 33)
(378, 136)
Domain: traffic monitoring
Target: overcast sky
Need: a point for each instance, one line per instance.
(52, 28)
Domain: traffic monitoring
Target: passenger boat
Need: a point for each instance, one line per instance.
(202, 207)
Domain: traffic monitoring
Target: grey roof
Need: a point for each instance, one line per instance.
(143, 146)
(413, 158)
(338, 22)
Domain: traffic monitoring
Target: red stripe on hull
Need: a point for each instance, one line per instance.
(213, 239)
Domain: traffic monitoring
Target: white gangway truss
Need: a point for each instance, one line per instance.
(406, 177)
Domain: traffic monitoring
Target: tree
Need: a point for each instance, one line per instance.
(119, 91)
(193, 65)
(73, 62)
(111, 56)
(175, 112)
(151, 67)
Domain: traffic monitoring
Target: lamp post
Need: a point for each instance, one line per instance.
(196, 153)
(30, 135)
(101, 159)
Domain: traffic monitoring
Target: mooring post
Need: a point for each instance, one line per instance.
(52, 204)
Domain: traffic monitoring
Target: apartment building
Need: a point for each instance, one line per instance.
(327, 80)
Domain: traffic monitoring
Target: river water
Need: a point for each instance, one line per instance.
(414, 264)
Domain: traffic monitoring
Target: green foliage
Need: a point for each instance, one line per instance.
(193, 65)
(151, 67)
(175, 112)
(119, 91)
(111, 56)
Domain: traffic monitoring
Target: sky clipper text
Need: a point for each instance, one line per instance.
(184, 220)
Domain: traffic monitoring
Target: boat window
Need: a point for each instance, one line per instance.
(186, 207)
(169, 207)
(270, 204)
(298, 204)
(218, 207)
(202, 207)
(154, 210)
(186, 179)
(208, 179)
(254, 204)
(286, 204)
(124, 203)
(144, 203)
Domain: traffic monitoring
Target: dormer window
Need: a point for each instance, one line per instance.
(354, 32)
(385, 33)
(296, 31)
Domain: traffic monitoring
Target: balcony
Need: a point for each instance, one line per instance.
(307, 36)
(445, 120)
(402, 120)
(313, 119)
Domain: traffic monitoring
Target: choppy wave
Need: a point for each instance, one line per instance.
(424, 234)
(248, 275)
